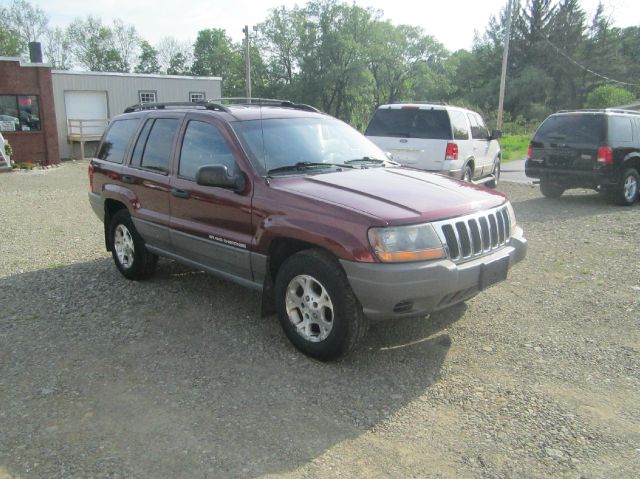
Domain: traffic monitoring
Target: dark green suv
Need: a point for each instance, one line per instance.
(597, 149)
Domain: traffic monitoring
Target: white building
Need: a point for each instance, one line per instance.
(88, 100)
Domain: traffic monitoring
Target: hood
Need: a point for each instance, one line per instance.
(394, 195)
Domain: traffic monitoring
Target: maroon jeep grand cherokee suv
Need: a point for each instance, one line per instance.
(284, 199)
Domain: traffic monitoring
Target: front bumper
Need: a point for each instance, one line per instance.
(388, 291)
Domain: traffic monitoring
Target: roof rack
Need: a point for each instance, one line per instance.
(207, 105)
(601, 110)
(266, 102)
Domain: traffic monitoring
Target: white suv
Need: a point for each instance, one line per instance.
(440, 138)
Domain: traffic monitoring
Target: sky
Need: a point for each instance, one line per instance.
(452, 22)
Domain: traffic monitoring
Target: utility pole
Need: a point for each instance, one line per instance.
(247, 64)
(505, 58)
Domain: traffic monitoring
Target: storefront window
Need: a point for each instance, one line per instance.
(19, 113)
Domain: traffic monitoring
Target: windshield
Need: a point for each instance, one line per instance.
(572, 128)
(285, 142)
(410, 123)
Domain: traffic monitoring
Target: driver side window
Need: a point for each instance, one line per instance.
(203, 144)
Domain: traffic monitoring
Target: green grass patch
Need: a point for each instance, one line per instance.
(55, 265)
(514, 147)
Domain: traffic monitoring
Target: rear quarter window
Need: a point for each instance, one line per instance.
(410, 123)
(459, 125)
(116, 140)
(620, 130)
(578, 128)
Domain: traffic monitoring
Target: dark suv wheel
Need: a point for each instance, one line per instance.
(316, 307)
(128, 249)
(627, 190)
(550, 189)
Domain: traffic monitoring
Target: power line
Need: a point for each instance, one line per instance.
(586, 68)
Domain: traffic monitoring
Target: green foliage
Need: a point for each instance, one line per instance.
(98, 47)
(148, 59)
(514, 147)
(20, 23)
(214, 54)
(607, 96)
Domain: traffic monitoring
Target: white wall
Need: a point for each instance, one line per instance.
(122, 91)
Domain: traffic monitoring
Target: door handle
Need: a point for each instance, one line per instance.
(180, 193)
(128, 179)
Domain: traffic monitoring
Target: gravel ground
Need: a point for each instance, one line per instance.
(178, 376)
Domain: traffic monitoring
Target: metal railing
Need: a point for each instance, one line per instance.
(85, 130)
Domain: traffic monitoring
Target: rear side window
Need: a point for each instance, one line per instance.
(478, 130)
(410, 123)
(620, 130)
(459, 125)
(153, 148)
(116, 140)
(203, 144)
(572, 128)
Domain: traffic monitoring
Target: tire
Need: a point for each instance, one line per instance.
(128, 249)
(627, 191)
(496, 173)
(326, 331)
(468, 174)
(551, 190)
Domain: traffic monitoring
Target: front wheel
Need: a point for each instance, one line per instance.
(127, 248)
(626, 192)
(316, 307)
(551, 190)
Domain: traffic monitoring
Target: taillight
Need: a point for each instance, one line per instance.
(530, 151)
(452, 152)
(91, 178)
(605, 155)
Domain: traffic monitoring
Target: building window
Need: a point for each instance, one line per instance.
(196, 96)
(19, 113)
(147, 96)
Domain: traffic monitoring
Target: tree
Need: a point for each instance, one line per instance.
(98, 47)
(10, 45)
(20, 24)
(214, 54)
(607, 96)
(172, 52)
(148, 59)
(57, 49)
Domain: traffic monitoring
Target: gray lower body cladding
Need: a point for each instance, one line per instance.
(388, 291)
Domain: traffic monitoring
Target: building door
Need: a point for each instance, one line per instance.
(86, 109)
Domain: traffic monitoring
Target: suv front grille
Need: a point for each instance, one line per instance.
(472, 236)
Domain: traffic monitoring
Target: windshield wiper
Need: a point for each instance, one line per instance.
(364, 159)
(306, 165)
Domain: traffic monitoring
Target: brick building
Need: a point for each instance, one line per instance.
(27, 111)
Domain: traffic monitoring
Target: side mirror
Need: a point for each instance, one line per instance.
(218, 175)
(495, 134)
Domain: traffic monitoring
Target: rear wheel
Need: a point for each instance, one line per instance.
(127, 248)
(468, 174)
(626, 192)
(316, 307)
(496, 175)
(550, 189)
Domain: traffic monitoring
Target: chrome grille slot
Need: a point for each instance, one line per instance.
(473, 236)
(493, 231)
(463, 239)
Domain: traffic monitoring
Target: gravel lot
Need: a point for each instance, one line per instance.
(178, 376)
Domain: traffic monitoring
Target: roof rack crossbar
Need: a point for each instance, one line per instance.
(268, 102)
(207, 105)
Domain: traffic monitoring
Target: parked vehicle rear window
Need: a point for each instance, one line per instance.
(578, 128)
(116, 140)
(426, 124)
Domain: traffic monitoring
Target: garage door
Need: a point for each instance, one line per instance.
(86, 105)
